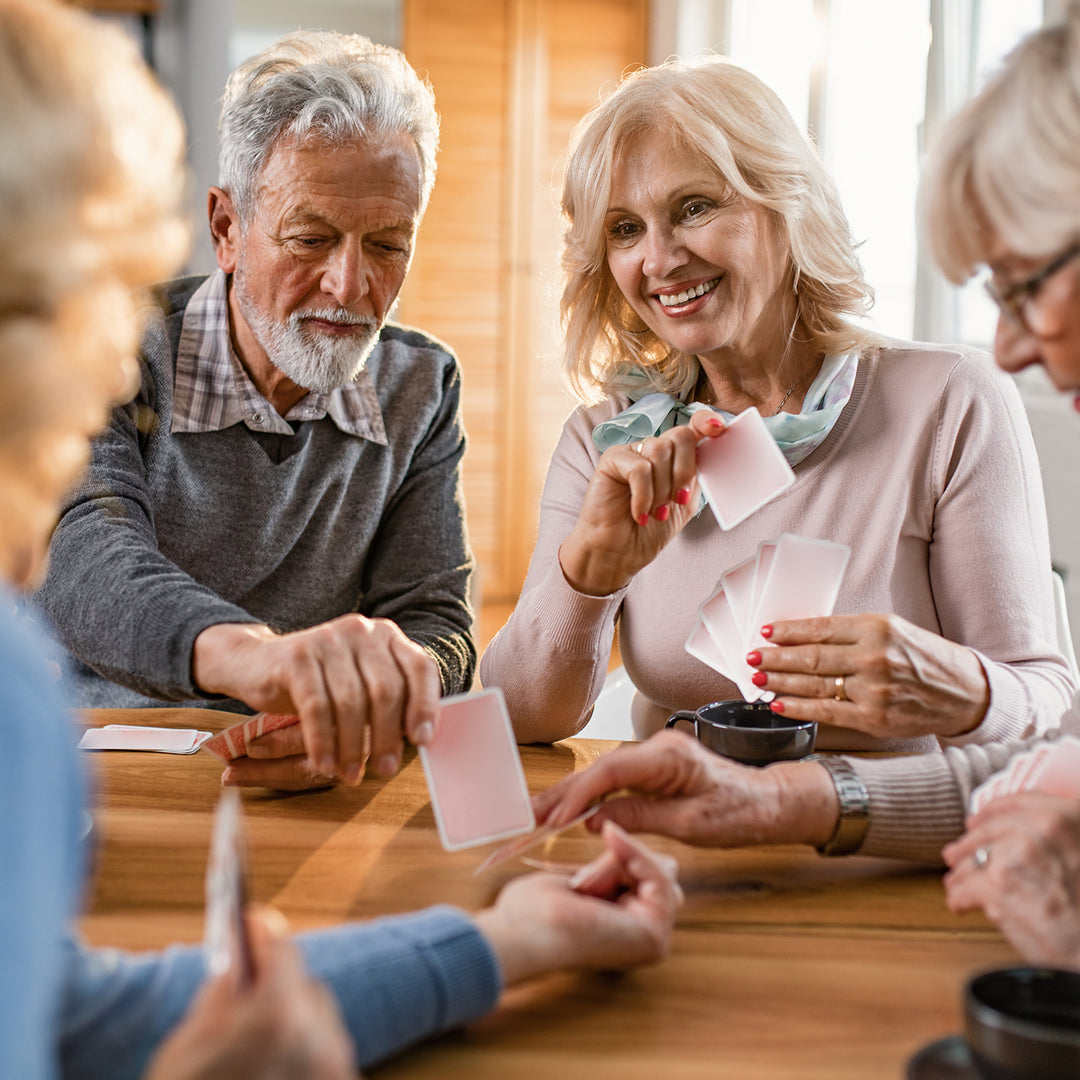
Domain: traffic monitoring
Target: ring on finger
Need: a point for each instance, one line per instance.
(840, 688)
(636, 446)
(981, 858)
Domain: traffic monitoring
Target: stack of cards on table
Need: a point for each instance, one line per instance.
(791, 578)
(138, 737)
(1052, 767)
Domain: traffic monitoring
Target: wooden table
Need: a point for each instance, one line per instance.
(785, 965)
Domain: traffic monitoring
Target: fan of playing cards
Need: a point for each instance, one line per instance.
(790, 578)
(1051, 767)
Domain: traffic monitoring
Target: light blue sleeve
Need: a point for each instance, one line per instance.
(41, 864)
(398, 981)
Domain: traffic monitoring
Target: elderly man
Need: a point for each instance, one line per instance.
(276, 521)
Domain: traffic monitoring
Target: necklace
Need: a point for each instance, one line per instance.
(787, 395)
(708, 397)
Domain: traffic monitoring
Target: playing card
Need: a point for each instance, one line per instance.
(233, 742)
(524, 843)
(474, 774)
(738, 585)
(728, 636)
(742, 469)
(701, 646)
(137, 737)
(226, 936)
(1058, 771)
(803, 582)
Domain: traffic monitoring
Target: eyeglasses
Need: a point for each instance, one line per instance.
(1013, 299)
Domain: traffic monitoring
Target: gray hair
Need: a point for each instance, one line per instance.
(1007, 166)
(734, 123)
(327, 86)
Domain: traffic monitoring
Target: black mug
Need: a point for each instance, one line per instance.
(1023, 1023)
(748, 731)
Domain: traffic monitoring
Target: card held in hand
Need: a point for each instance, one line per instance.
(233, 742)
(474, 774)
(226, 940)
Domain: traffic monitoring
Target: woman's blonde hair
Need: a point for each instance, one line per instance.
(1007, 166)
(734, 123)
(91, 186)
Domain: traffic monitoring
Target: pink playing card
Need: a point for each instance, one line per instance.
(803, 582)
(727, 636)
(738, 584)
(701, 646)
(742, 469)
(233, 742)
(473, 772)
(1058, 773)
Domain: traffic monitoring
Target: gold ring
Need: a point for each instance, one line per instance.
(840, 688)
(636, 446)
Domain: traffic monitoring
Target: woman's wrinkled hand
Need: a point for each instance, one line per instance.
(671, 785)
(1019, 861)
(639, 498)
(879, 674)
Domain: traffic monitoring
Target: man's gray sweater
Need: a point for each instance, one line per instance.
(172, 533)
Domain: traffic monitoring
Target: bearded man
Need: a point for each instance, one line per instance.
(276, 521)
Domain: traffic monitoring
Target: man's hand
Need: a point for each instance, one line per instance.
(1027, 878)
(282, 1027)
(675, 787)
(358, 685)
(616, 912)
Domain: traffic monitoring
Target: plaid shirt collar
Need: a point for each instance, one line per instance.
(213, 391)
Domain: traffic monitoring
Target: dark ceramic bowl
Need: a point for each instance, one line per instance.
(1023, 1023)
(749, 731)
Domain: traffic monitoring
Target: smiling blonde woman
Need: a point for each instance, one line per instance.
(709, 268)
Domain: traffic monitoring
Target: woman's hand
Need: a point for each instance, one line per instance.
(638, 499)
(617, 912)
(893, 679)
(675, 787)
(1027, 879)
(283, 1027)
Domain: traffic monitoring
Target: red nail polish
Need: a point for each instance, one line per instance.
(759, 678)
(714, 423)
(643, 519)
(777, 707)
(682, 496)
(661, 512)
(766, 631)
(753, 658)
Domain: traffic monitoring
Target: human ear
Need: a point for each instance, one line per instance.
(224, 228)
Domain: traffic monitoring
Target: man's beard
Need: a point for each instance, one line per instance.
(318, 362)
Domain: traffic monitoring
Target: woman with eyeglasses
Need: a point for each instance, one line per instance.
(1002, 191)
(709, 268)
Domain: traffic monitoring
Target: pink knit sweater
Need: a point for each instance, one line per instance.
(929, 476)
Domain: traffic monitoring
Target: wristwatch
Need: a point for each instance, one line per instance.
(854, 807)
